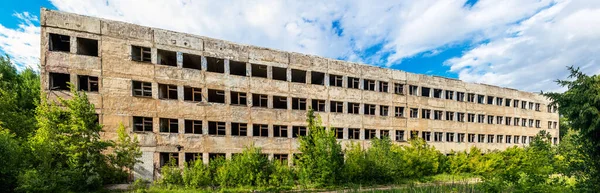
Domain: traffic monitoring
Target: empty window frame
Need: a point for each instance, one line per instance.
(499, 101)
(369, 84)
(499, 120)
(437, 115)
(449, 94)
(426, 135)
(299, 103)
(353, 133)
(238, 68)
(460, 96)
(425, 92)
(554, 124)
(260, 130)
(530, 106)
(298, 76)
(523, 104)
(168, 158)
(61, 43)
(190, 158)
(384, 110)
(369, 109)
(167, 91)
(142, 124)
(169, 125)
(213, 156)
(508, 121)
(215, 65)
(490, 100)
(530, 122)
(239, 98)
(399, 112)
(499, 139)
(193, 126)
(426, 114)
(516, 103)
(383, 86)
(480, 99)
(490, 119)
(480, 138)
(239, 129)
(59, 81)
(471, 97)
(318, 105)
(537, 106)
(507, 102)
(370, 133)
(460, 138)
(142, 89)
(490, 138)
(413, 90)
(450, 137)
(449, 116)
(216, 96)
(414, 134)
(353, 82)
(88, 83)
(298, 131)
(353, 108)
(216, 128)
(516, 123)
(538, 124)
(400, 135)
(384, 133)
(480, 118)
(317, 78)
(524, 122)
(88, 47)
(516, 139)
(336, 107)
(523, 139)
(191, 61)
(414, 113)
(438, 136)
(141, 54)
(336, 80)
(460, 117)
(165, 57)
(279, 73)
(281, 158)
(260, 100)
(339, 133)
(280, 102)
(280, 131)
(398, 88)
(259, 70)
(437, 93)
(192, 94)
(471, 118)
(508, 139)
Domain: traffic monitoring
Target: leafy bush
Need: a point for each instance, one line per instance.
(196, 175)
(171, 175)
(11, 155)
(250, 168)
(282, 175)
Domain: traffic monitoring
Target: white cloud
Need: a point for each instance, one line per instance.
(532, 54)
(22, 44)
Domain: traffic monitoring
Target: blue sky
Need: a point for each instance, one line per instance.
(522, 44)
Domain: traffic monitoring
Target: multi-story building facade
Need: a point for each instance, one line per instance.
(190, 97)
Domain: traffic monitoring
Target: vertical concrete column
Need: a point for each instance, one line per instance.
(154, 55)
(361, 84)
(269, 72)
(290, 131)
(378, 133)
(250, 129)
(73, 45)
(270, 101)
(154, 90)
(181, 123)
(345, 133)
(181, 156)
(248, 69)
(74, 80)
(205, 158)
(204, 63)
(327, 105)
(228, 128)
(179, 60)
(180, 94)
(377, 85)
(288, 74)
(226, 67)
(155, 125)
(361, 135)
(204, 123)
(345, 107)
(308, 77)
(270, 130)
(227, 96)
(326, 79)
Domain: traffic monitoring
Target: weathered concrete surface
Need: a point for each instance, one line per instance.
(115, 103)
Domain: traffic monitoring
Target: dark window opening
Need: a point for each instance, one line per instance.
(298, 76)
(166, 91)
(425, 91)
(490, 100)
(399, 112)
(298, 131)
(281, 158)
(369, 85)
(141, 54)
(169, 158)
(279, 102)
(353, 108)
(449, 94)
(426, 135)
(400, 135)
(480, 99)
(336, 107)
(259, 100)
(279, 73)
(192, 94)
(369, 109)
(165, 57)
(213, 156)
(460, 96)
(413, 90)
(317, 78)
(216, 96)
(88, 47)
(398, 88)
(216, 128)
(60, 43)
(318, 105)
(59, 81)
(88, 83)
(238, 68)
(383, 86)
(353, 133)
(260, 130)
(336, 80)
(142, 124)
(437, 93)
(280, 131)
(259, 70)
(471, 97)
(215, 65)
(426, 114)
(383, 110)
(193, 126)
(437, 136)
(238, 98)
(169, 125)
(384, 133)
(190, 158)
(239, 129)
(414, 113)
(353, 83)
(370, 133)
(339, 133)
(192, 61)
(298, 103)
(142, 89)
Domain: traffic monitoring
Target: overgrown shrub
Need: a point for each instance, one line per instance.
(171, 175)
(250, 168)
(282, 176)
(196, 175)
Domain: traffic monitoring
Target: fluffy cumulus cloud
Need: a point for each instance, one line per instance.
(523, 44)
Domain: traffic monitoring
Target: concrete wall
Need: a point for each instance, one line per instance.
(115, 103)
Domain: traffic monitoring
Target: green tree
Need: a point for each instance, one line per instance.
(321, 161)
(580, 104)
(126, 153)
(250, 168)
(19, 96)
(12, 160)
(196, 174)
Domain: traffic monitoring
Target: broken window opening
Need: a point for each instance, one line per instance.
(460, 96)
(166, 57)
(353, 83)
(508, 121)
(336, 107)
(259, 70)
(399, 112)
(369, 109)
(191, 61)
(298, 131)
(213, 156)
(168, 125)
(499, 138)
(499, 120)
(449, 137)
(142, 89)
(280, 131)
(193, 126)
(449, 94)
(259, 100)
(169, 158)
(480, 99)
(370, 134)
(398, 88)
(353, 108)
(437, 93)
(88, 83)
(190, 158)
(88, 47)
(339, 133)
(59, 81)
(336, 80)
(216, 128)
(516, 103)
(142, 124)
(425, 91)
(216, 96)
(318, 105)
(239, 98)
(471, 97)
(298, 103)
(384, 133)
(460, 138)
(353, 133)
(490, 100)
(490, 138)
(426, 135)
(141, 54)
(383, 110)
(516, 123)
(400, 135)
(490, 119)
(237, 68)
(383, 86)
(499, 101)
(239, 129)
(480, 138)
(215, 65)
(369, 85)
(414, 113)
(279, 73)
(192, 94)
(470, 117)
(507, 102)
(260, 130)
(281, 158)
(413, 90)
(298, 76)
(167, 91)
(437, 136)
(460, 117)
(279, 102)
(317, 78)
(426, 114)
(449, 115)
(437, 115)
(60, 43)
(480, 118)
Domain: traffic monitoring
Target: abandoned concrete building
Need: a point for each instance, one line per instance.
(190, 97)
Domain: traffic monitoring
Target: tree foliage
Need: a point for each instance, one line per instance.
(19, 97)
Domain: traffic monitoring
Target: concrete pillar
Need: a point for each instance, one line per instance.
(204, 63)
(226, 67)
(179, 60)
(248, 69)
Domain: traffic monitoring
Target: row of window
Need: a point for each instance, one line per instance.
(168, 157)
(59, 81)
(62, 43)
